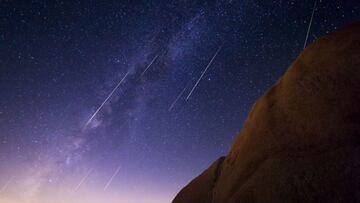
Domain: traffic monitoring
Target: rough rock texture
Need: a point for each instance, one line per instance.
(301, 140)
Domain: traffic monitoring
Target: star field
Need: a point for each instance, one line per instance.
(60, 60)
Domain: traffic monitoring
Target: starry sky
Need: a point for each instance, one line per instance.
(168, 118)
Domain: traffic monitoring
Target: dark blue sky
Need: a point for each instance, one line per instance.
(60, 60)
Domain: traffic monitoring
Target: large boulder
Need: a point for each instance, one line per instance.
(301, 140)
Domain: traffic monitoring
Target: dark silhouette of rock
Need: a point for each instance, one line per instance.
(301, 140)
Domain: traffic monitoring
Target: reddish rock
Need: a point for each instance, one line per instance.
(301, 140)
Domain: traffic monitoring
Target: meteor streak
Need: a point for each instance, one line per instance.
(6, 185)
(179, 96)
(112, 178)
(203, 73)
(310, 23)
(107, 98)
(83, 180)
(152, 61)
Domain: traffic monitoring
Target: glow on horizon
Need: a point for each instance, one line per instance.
(86, 196)
(34, 187)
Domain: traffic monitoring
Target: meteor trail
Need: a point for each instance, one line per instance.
(83, 180)
(107, 98)
(6, 185)
(152, 61)
(203, 73)
(179, 96)
(310, 23)
(111, 179)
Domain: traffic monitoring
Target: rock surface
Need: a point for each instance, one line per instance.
(301, 140)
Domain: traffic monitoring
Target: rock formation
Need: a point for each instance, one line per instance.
(301, 140)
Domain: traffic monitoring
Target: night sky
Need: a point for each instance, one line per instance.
(61, 60)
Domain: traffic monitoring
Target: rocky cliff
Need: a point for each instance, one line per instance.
(301, 140)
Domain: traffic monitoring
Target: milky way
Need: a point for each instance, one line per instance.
(61, 63)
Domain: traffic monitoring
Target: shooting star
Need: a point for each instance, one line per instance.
(179, 96)
(83, 180)
(310, 23)
(112, 178)
(6, 185)
(107, 98)
(203, 73)
(152, 61)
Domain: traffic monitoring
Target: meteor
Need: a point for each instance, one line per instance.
(203, 73)
(310, 23)
(83, 180)
(112, 178)
(152, 61)
(6, 184)
(107, 98)
(179, 96)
